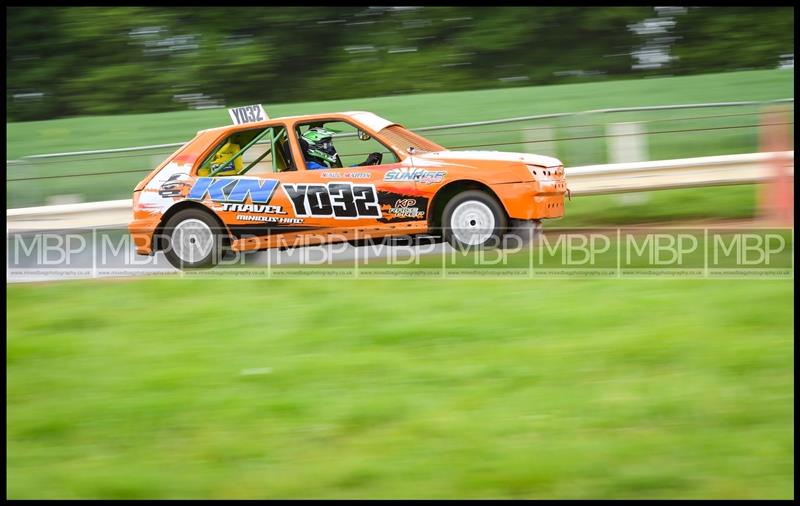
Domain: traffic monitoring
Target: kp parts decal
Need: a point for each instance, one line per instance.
(405, 175)
(398, 207)
(407, 208)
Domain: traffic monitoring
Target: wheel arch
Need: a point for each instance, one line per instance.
(446, 192)
(175, 209)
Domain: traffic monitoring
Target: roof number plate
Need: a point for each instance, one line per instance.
(247, 114)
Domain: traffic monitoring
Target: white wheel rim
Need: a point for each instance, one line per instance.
(192, 240)
(472, 223)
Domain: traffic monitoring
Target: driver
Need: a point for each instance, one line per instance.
(318, 150)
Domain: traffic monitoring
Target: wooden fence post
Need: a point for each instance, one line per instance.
(776, 203)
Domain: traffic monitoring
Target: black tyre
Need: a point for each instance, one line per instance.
(474, 220)
(194, 239)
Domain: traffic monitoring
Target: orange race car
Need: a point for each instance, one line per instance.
(264, 183)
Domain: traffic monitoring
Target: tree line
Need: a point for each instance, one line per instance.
(71, 61)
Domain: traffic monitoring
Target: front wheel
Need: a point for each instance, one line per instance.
(194, 240)
(474, 220)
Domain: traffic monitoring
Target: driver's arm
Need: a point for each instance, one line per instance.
(372, 159)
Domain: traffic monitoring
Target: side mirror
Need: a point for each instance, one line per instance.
(364, 136)
(410, 150)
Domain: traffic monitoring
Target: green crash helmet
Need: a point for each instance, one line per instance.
(319, 144)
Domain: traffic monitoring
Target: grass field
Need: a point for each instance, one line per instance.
(585, 389)
(588, 146)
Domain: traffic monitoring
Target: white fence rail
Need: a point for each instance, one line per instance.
(668, 174)
(586, 180)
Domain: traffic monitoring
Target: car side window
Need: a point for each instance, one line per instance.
(348, 146)
(255, 152)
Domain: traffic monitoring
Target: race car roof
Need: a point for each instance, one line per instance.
(368, 119)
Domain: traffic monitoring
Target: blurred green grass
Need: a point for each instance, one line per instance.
(729, 202)
(587, 146)
(425, 109)
(333, 389)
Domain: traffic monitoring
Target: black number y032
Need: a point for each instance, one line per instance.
(337, 200)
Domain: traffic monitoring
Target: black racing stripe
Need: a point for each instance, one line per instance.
(259, 229)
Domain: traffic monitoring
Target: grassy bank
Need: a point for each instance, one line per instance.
(103, 132)
(605, 388)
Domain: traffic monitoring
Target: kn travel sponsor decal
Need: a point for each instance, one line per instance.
(252, 208)
(236, 190)
(231, 194)
(260, 210)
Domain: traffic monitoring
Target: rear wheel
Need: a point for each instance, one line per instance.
(473, 220)
(194, 240)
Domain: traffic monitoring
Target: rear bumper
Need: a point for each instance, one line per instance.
(142, 231)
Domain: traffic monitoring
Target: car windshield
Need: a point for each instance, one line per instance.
(402, 139)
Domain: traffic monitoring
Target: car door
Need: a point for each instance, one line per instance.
(329, 198)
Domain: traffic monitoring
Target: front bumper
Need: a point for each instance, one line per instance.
(532, 200)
